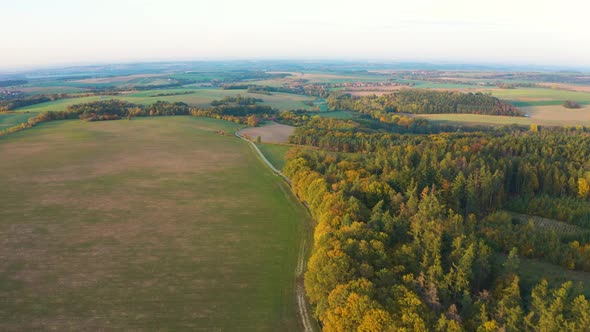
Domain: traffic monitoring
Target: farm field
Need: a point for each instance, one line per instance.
(269, 133)
(197, 97)
(475, 119)
(324, 77)
(12, 119)
(559, 115)
(523, 97)
(153, 223)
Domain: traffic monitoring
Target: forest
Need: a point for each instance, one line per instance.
(420, 101)
(413, 231)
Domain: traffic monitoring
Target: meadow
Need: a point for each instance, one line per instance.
(532, 271)
(275, 153)
(154, 223)
(12, 119)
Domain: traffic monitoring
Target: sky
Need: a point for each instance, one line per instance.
(37, 33)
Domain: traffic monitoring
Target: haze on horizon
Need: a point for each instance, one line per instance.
(63, 32)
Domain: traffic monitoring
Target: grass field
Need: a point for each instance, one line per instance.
(344, 115)
(475, 119)
(531, 270)
(12, 119)
(543, 115)
(275, 153)
(523, 97)
(154, 223)
(200, 97)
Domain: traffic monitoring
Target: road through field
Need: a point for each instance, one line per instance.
(304, 314)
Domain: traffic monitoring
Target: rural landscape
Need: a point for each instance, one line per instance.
(295, 166)
(316, 197)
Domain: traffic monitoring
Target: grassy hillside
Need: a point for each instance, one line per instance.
(12, 119)
(153, 223)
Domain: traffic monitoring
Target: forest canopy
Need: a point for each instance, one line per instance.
(421, 101)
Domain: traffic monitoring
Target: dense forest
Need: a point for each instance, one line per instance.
(422, 101)
(412, 230)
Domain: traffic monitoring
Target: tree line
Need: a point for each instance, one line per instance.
(421, 101)
(236, 109)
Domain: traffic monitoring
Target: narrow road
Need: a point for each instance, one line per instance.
(306, 318)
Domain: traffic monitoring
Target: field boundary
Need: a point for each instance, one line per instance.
(268, 163)
(302, 305)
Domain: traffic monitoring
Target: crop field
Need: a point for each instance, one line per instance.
(12, 119)
(538, 96)
(269, 133)
(559, 115)
(321, 77)
(198, 97)
(154, 223)
(475, 119)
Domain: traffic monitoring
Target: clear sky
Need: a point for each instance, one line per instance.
(540, 32)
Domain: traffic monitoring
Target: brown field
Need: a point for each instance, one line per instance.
(569, 87)
(270, 133)
(558, 115)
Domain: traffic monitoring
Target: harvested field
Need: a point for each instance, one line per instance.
(559, 115)
(269, 133)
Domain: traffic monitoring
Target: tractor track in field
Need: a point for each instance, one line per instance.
(306, 320)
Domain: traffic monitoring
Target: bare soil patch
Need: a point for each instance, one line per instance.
(270, 133)
(558, 115)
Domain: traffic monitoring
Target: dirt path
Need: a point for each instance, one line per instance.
(306, 319)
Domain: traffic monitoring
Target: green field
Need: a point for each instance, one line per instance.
(275, 153)
(198, 97)
(12, 119)
(153, 223)
(531, 270)
(475, 119)
(523, 97)
(344, 115)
